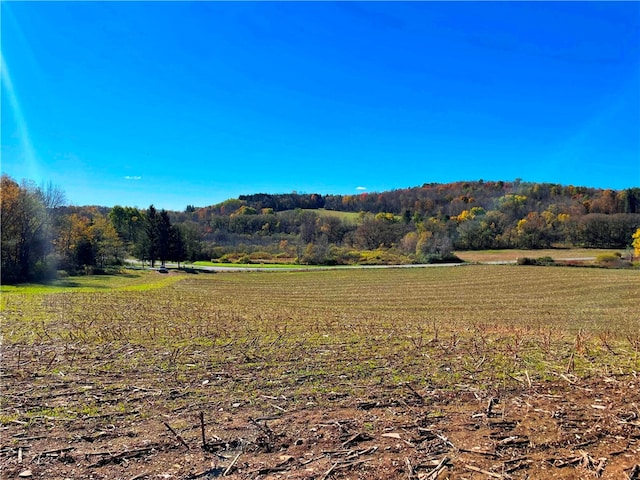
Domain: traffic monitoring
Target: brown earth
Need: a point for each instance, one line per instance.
(304, 376)
(566, 429)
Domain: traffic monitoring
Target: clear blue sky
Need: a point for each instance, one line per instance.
(177, 103)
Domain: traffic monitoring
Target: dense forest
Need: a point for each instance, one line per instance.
(43, 237)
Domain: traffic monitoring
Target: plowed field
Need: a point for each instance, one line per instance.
(466, 372)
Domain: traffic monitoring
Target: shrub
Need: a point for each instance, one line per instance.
(343, 255)
(244, 259)
(261, 256)
(382, 256)
(612, 260)
(446, 258)
(545, 261)
(43, 271)
(608, 257)
(541, 261)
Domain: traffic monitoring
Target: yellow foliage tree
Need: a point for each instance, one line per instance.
(465, 215)
(636, 243)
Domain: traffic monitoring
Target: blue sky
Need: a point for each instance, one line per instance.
(177, 103)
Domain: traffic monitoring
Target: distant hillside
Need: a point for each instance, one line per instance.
(449, 199)
(414, 225)
(420, 223)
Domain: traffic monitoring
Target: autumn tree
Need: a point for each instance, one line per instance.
(317, 252)
(72, 242)
(12, 218)
(636, 243)
(409, 242)
(26, 233)
(333, 228)
(424, 245)
(434, 240)
(105, 241)
(533, 231)
(380, 230)
(475, 234)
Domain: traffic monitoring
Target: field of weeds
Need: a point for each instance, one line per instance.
(465, 372)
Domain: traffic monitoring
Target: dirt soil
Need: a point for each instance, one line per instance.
(566, 429)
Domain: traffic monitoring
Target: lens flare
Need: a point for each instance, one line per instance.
(30, 168)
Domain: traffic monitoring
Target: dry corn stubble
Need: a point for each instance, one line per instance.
(317, 358)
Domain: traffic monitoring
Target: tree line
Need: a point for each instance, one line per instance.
(449, 199)
(42, 236)
(421, 223)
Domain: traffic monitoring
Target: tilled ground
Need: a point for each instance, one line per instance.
(572, 428)
(375, 375)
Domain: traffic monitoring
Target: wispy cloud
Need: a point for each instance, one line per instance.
(132, 177)
(361, 188)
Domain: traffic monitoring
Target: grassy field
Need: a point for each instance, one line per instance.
(204, 263)
(348, 217)
(513, 254)
(134, 280)
(415, 351)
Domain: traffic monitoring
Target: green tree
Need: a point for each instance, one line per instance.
(155, 242)
(177, 248)
(147, 246)
(128, 223)
(164, 231)
(513, 206)
(191, 236)
(84, 253)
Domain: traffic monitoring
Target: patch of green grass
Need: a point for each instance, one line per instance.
(50, 413)
(347, 217)
(132, 281)
(204, 263)
(5, 419)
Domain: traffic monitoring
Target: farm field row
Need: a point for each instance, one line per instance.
(390, 373)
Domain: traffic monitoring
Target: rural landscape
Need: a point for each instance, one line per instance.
(120, 360)
(324, 240)
(44, 237)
